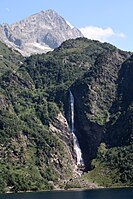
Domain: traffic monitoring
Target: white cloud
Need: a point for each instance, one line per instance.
(101, 34)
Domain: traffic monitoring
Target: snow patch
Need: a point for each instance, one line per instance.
(38, 45)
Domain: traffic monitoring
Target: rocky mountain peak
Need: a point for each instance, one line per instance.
(38, 33)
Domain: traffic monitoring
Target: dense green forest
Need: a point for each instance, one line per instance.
(34, 91)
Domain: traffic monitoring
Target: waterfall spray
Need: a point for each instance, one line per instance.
(72, 127)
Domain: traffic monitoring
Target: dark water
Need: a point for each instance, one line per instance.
(126, 193)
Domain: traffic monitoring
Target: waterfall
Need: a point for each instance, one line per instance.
(72, 127)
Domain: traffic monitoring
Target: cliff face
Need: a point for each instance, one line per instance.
(35, 140)
(61, 129)
(95, 94)
(120, 132)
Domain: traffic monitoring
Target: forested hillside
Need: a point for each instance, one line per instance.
(36, 148)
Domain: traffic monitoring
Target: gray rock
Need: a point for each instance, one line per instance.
(39, 33)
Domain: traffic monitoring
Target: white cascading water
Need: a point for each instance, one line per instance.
(75, 140)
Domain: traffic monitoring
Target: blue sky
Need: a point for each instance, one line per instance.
(104, 20)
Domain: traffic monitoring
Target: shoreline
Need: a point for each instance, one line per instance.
(72, 189)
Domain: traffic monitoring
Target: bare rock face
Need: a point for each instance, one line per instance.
(39, 33)
(59, 127)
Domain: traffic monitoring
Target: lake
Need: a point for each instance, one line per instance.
(123, 193)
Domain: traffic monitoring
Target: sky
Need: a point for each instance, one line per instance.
(103, 20)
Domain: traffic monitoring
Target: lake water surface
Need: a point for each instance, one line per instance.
(124, 193)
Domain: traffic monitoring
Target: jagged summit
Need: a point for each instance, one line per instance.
(49, 12)
(38, 33)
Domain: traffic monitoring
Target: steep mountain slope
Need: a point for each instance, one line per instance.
(9, 59)
(28, 146)
(115, 154)
(36, 145)
(39, 33)
(94, 94)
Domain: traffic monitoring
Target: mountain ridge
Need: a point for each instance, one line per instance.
(38, 33)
